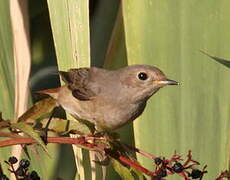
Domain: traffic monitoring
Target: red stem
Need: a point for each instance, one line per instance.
(60, 140)
(76, 141)
(82, 141)
(136, 166)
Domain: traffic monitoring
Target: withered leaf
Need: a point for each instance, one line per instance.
(4, 124)
(10, 135)
(38, 110)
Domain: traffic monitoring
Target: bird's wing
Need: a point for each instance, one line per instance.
(78, 83)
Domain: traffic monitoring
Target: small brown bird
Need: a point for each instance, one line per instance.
(109, 98)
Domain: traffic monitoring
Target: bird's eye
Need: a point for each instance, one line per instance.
(142, 76)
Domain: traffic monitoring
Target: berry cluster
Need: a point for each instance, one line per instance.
(187, 170)
(22, 172)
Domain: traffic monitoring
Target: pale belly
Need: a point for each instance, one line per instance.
(104, 114)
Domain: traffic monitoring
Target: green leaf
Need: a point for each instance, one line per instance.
(27, 129)
(6, 72)
(6, 63)
(70, 27)
(123, 171)
(195, 115)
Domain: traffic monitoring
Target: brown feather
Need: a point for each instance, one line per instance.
(51, 92)
(77, 81)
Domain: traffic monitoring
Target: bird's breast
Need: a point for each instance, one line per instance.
(105, 113)
(118, 115)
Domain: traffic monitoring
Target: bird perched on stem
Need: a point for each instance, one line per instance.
(108, 98)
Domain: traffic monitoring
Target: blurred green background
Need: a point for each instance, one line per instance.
(111, 34)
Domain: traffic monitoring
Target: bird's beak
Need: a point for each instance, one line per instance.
(166, 82)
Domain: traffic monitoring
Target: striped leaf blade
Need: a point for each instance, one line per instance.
(169, 34)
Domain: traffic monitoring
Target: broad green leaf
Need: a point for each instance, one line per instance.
(70, 26)
(123, 171)
(195, 115)
(6, 63)
(6, 72)
(28, 130)
(38, 110)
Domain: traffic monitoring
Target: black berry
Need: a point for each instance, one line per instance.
(156, 178)
(34, 175)
(12, 160)
(178, 167)
(20, 171)
(24, 163)
(196, 173)
(162, 173)
(158, 161)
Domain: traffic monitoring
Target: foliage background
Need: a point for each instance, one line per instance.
(168, 34)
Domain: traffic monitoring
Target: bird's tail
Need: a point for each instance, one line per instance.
(51, 92)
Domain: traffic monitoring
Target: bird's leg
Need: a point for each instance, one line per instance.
(44, 136)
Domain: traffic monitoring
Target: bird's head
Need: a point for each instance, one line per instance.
(143, 80)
